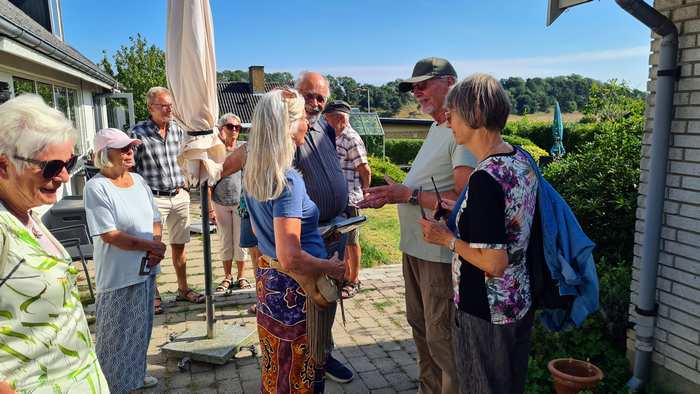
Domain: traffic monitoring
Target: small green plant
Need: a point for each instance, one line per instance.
(402, 150)
(381, 167)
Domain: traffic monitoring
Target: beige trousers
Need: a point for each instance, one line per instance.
(430, 312)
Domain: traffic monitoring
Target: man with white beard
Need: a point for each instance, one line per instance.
(426, 267)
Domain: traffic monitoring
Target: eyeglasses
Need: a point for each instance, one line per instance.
(310, 96)
(163, 106)
(51, 168)
(232, 127)
(127, 149)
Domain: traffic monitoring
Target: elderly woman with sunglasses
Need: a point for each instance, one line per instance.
(124, 219)
(285, 221)
(493, 218)
(45, 343)
(224, 209)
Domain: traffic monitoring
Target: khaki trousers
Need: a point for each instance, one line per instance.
(430, 312)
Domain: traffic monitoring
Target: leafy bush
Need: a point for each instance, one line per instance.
(535, 151)
(575, 134)
(381, 167)
(402, 150)
(374, 144)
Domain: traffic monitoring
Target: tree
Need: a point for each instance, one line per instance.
(139, 67)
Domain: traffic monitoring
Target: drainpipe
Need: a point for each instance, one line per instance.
(667, 75)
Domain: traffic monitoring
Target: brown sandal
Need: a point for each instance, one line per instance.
(224, 285)
(243, 284)
(189, 295)
(158, 306)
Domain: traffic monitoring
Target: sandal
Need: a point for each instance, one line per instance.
(158, 306)
(243, 284)
(189, 295)
(224, 285)
(350, 289)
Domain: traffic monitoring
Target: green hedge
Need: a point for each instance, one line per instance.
(402, 150)
(381, 167)
(528, 145)
(576, 135)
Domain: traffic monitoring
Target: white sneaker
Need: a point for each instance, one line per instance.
(149, 381)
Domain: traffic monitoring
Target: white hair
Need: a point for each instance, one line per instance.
(155, 92)
(224, 118)
(305, 74)
(28, 126)
(270, 146)
(102, 159)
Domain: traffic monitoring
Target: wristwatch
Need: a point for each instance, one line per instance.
(453, 244)
(413, 200)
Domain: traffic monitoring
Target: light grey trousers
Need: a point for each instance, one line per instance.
(491, 358)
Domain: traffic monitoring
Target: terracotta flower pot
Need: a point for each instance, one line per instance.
(570, 376)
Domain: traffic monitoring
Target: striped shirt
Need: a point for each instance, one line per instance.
(318, 163)
(156, 159)
(351, 153)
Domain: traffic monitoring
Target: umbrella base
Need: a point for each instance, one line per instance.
(228, 340)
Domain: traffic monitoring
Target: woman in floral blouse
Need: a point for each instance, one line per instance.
(45, 343)
(493, 220)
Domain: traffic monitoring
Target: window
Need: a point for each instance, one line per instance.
(23, 86)
(59, 97)
(46, 92)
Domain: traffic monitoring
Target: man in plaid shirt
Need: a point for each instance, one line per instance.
(353, 162)
(156, 162)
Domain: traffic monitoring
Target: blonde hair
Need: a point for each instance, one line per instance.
(28, 126)
(270, 146)
(102, 159)
(481, 101)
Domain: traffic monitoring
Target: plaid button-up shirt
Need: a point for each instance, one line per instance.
(156, 158)
(351, 153)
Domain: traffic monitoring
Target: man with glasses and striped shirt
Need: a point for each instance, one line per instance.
(156, 162)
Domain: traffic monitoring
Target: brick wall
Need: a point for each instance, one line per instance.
(677, 334)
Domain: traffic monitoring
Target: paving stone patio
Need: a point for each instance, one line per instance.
(376, 341)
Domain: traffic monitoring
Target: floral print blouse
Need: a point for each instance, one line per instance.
(496, 212)
(45, 343)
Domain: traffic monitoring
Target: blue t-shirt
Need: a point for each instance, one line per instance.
(292, 203)
(130, 210)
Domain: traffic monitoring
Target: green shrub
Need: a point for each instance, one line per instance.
(381, 167)
(528, 145)
(576, 135)
(374, 144)
(402, 150)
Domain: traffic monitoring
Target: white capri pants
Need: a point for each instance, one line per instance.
(228, 226)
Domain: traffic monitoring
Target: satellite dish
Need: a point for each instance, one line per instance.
(556, 7)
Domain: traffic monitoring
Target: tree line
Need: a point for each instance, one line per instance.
(140, 65)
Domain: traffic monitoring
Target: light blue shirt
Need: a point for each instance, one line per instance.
(130, 210)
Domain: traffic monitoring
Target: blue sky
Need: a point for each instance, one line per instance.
(379, 41)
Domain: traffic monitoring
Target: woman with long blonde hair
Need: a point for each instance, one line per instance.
(285, 221)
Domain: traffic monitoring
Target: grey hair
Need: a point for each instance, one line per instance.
(154, 92)
(304, 74)
(224, 118)
(481, 101)
(270, 146)
(102, 159)
(28, 126)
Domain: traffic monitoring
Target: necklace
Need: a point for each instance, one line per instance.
(37, 234)
(492, 149)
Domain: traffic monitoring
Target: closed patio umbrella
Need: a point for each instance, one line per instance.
(191, 73)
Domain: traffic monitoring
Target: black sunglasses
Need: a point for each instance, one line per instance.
(129, 148)
(232, 127)
(51, 168)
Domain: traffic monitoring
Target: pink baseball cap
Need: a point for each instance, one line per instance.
(113, 138)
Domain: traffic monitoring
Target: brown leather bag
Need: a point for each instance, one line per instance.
(320, 288)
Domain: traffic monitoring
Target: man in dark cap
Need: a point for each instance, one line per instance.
(426, 267)
(353, 162)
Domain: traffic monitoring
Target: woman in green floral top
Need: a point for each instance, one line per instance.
(45, 343)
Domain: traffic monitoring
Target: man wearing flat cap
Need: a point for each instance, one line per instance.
(353, 162)
(426, 267)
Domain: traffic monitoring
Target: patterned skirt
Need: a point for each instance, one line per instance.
(124, 320)
(281, 315)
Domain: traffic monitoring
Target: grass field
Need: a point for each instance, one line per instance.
(379, 238)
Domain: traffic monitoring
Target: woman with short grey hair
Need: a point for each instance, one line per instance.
(493, 219)
(225, 198)
(45, 342)
(125, 222)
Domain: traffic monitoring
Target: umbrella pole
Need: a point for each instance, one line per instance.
(206, 246)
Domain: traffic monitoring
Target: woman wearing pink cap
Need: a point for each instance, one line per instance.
(125, 222)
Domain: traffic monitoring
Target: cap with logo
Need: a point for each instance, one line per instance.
(426, 69)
